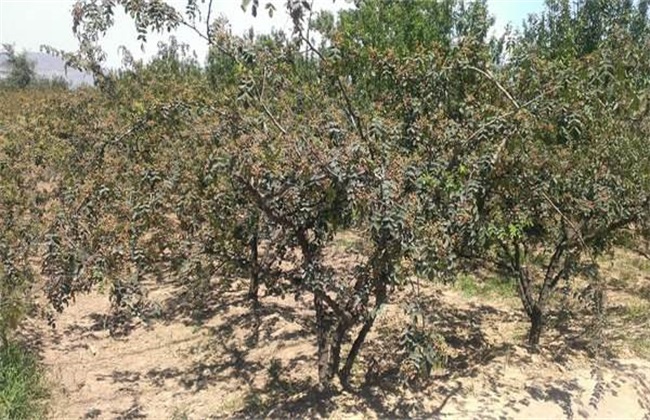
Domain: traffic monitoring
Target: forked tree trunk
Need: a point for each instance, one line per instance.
(533, 308)
(342, 329)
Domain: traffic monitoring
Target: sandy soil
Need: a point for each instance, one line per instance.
(240, 364)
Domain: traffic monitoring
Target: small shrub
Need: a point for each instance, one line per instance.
(642, 264)
(424, 351)
(180, 413)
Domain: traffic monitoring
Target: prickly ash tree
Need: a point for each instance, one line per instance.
(572, 176)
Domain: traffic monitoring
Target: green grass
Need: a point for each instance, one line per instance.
(641, 263)
(641, 347)
(180, 413)
(627, 277)
(638, 313)
(22, 387)
(348, 242)
(471, 286)
(635, 316)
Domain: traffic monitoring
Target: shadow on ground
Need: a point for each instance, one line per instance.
(244, 355)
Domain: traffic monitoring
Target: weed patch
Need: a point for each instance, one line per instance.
(472, 286)
(22, 387)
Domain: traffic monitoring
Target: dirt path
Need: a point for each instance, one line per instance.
(236, 364)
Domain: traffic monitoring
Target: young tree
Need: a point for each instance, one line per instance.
(378, 28)
(131, 154)
(289, 160)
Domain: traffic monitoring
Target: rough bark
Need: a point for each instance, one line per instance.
(380, 299)
(254, 286)
(536, 326)
(324, 339)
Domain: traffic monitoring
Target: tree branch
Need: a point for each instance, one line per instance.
(491, 77)
(523, 280)
(549, 279)
(208, 38)
(208, 30)
(348, 103)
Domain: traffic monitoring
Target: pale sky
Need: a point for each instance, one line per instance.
(31, 23)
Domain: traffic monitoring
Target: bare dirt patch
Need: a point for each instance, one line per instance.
(239, 362)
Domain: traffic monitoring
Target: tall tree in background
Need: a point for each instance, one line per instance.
(576, 28)
(21, 69)
(378, 28)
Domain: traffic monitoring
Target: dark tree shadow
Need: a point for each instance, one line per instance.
(274, 390)
(194, 307)
(462, 330)
(135, 411)
(228, 360)
(31, 338)
(93, 413)
(561, 394)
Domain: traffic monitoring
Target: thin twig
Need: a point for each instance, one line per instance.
(196, 30)
(275, 122)
(311, 11)
(509, 113)
(207, 38)
(504, 142)
(642, 253)
(267, 111)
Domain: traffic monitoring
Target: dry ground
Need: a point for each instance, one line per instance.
(240, 363)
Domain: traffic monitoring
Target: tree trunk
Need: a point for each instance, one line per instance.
(536, 326)
(380, 299)
(337, 342)
(344, 375)
(254, 286)
(323, 338)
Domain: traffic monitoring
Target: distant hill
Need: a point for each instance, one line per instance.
(48, 67)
